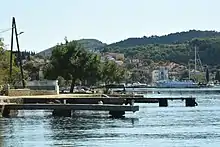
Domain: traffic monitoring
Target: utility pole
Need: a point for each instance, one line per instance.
(14, 29)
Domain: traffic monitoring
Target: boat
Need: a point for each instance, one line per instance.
(185, 83)
(176, 84)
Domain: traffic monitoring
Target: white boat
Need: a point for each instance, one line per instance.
(182, 84)
(176, 84)
(139, 84)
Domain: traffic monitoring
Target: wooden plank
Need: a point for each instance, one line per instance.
(94, 96)
(170, 97)
(95, 107)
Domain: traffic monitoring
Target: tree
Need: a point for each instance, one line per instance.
(184, 75)
(68, 61)
(207, 75)
(61, 81)
(217, 76)
(73, 62)
(4, 67)
(111, 72)
(93, 69)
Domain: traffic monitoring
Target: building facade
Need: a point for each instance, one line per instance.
(161, 73)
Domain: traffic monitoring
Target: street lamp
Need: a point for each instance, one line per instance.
(20, 33)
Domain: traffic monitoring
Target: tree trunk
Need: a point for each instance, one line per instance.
(72, 85)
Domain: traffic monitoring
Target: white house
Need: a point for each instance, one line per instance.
(160, 74)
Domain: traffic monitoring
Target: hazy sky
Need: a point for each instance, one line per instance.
(46, 22)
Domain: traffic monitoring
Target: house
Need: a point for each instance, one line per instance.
(116, 56)
(160, 74)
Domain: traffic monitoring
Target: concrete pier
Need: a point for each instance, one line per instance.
(65, 109)
(64, 104)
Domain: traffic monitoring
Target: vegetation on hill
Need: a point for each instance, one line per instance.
(173, 38)
(208, 50)
(174, 47)
(91, 44)
(88, 44)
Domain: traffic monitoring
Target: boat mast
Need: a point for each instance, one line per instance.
(189, 70)
(195, 60)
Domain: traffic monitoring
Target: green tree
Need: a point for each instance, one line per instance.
(4, 67)
(207, 75)
(73, 62)
(61, 81)
(217, 76)
(184, 75)
(68, 61)
(111, 72)
(92, 69)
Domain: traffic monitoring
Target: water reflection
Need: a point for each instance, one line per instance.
(151, 126)
(85, 126)
(40, 128)
(1, 134)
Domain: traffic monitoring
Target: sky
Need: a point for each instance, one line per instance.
(46, 22)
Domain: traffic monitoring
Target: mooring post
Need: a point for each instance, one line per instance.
(117, 114)
(163, 102)
(191, 102)
(62, 112)
(5, 111)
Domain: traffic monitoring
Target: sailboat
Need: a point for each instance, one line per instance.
(186, 83)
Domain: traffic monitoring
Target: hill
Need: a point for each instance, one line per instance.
(208, 50)
(90, 44)
(175, 47)
(173, 38)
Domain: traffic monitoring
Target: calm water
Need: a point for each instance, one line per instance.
(175, 125)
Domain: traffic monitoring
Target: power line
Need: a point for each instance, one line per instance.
(6, 30)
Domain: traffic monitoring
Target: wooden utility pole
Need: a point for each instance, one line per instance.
(14, 30)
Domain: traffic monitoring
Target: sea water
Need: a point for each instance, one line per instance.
(172, 126)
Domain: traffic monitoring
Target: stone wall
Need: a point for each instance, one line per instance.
(42, 85)
(45, 87)
(18, 92)
(28, 92)
(43, 92)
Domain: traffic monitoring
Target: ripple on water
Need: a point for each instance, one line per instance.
(151, 126)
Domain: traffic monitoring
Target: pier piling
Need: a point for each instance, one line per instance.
(191, 102)
(163, 102)
(117, 114)
(62, 112)
(5, 111)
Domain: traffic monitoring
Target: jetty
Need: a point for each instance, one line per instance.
(66, 104)
(67, 109)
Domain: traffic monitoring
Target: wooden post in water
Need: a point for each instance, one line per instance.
(191, 102)
(5, 111)
(117, 114)
(60, 112)
(163, 102)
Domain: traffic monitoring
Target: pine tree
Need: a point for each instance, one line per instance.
(217, 76)
(207, 75)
